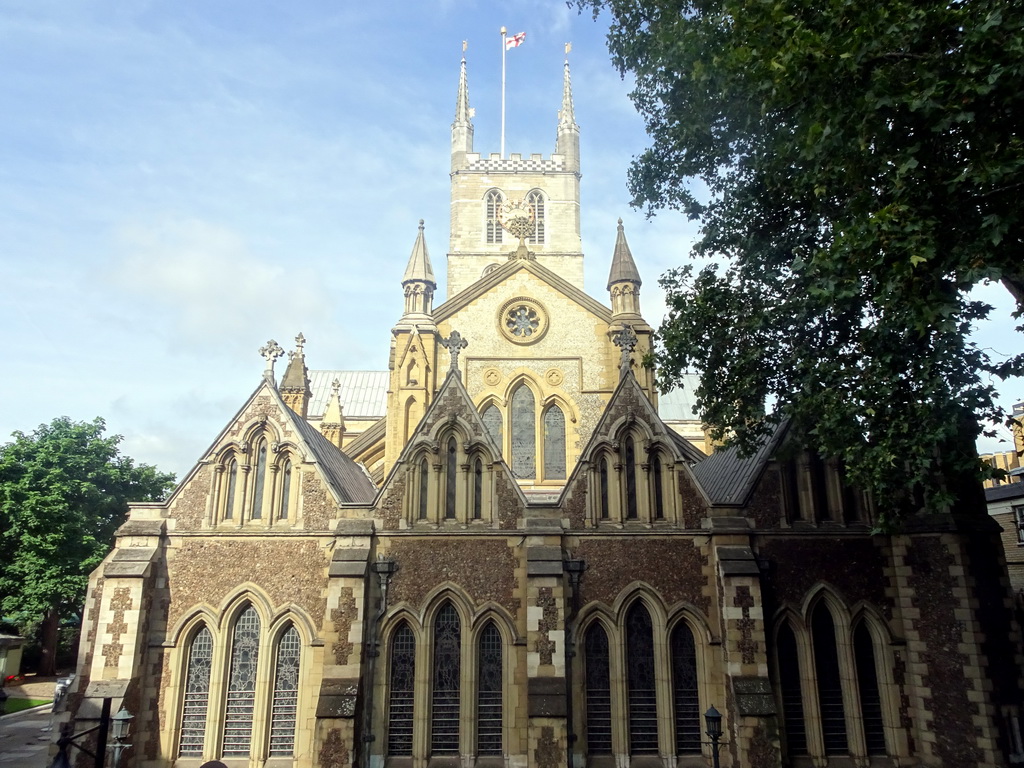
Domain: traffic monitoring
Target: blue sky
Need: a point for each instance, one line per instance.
(180, 182)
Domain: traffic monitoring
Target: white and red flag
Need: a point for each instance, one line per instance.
(515, 40)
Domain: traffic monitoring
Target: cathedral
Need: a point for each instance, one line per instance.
(510, 551)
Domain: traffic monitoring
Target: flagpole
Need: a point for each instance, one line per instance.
(503, 31)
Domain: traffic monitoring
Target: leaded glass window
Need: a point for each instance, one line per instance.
(444, 715)
(424, 482)
(536, 202)
(630, 479)
(197, 694)
(229, 503)
(493, 204)
(449, 480)
(492, 421)
(684, 691)
(261, 477)
(241, 695)
(488, 705)
(604, 488)
(659, 489)
(830, 687)
(284, 706)
(478, 489)
(792, 695)
(286, 488)
(524, 433)
(401, 684)
(554, 443)
(870, 696)
(643, 707)
(599, 691)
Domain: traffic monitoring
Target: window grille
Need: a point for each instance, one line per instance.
(792, 696)
(494, 203)
(630, 479)
(478, 489)
(402, 684)
(241, 695)
(554, 443)
(659, 490)
(536, 202)
(684, 691)
(444, 716)
(261, 476)
(599, 693)
(285, 702)
(830, 688)
(424, 480)
(229, 504)
(643, 708)
(492, 421)
(604, 488)
(870, 696)
(449, 480)
(197, 694)
(524, 433)
(286, 488)
(488, 706)
(1018, 518)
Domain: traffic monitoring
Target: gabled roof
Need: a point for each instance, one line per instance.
(364, 394)
(728, 478)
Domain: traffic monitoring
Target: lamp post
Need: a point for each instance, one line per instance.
(121, 725)
(713, 721)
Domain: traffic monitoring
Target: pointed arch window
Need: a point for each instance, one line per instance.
(478, 489)
(444, 715)
(870, 696)
(197, 694)
(659, 489)
(261, 478)
(492, 422)
(424, 483)
(488, 706)
(554, 444)
(402, 683)
(684, 691)
(830, 687)
(631, 505)
(603, 480)
(241, 694)
(599, 691)
(536, 202)
(286, 489)
(524, 433)
(643, 708)
(792, 696)
(229, 503)
(285, 702)
(449, 479)
(493, 202)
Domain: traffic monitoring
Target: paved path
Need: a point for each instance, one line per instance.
(25, 738)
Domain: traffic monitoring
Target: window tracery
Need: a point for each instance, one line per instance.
(286, 489)
(197, 694)
(598, 690)
(643, 707)
(630, 470)
(792, 695)
(493, 202)
(451, 465)
(259, 482)
(489, 692)
(241, 694)
(829, 680)
(554, 443)
(402, 690)
(524, 433)
(229, 501)
(284, 706)
(444, 723)
(684, 691)
(535, 201)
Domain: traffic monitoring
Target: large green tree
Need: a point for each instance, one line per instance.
(856, 167)
(64, 490)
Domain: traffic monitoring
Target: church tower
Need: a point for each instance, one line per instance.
(482, 186)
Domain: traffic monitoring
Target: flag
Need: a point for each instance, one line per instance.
(515, 41)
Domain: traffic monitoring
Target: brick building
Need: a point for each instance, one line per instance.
(498, 553)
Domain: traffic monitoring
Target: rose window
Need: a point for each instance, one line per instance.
(522, 321)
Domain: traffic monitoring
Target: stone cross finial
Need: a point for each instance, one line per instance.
(625, 340)
(271, 352)
(454, 344)
(300, 342)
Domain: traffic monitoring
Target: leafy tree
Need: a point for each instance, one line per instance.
(64, 490)
(864, 168)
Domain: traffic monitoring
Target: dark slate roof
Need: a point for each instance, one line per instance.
(348, 479)
(728, 478)
(1007, 491)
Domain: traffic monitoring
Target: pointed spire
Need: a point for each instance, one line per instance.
(568, 142)
(419, 282)
(294, 387)
(567, 115)
(332, 426)
(463, 114)
(462, 127)
(623, 267)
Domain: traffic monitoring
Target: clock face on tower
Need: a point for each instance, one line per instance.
(517, 218)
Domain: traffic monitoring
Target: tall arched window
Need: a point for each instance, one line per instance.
(659, 489)
(229, 502)
(792, 696)
(478, 489)
(684, 691)
(524, 433)
(630, 469)
(285, 703)
(286, 489)
(444, 714)
(643, 706)
(451, 460)
(536, 202)
(401, 683)
(830, 688)
(488, 704)
(424, 484)
(603, 480)
(870, 696)
(197, 694)
(492, 422)
(599, 691)
(241, 694)
(259, 482)
(554, 444)
(493, 203)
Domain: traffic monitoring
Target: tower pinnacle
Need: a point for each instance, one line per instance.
(418, 281)
(568, 141)
(624, 279)
(462, 127)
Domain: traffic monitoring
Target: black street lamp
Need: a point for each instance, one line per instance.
(713, 720)
(121, 725)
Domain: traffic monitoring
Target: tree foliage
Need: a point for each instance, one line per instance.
(864, 168)
(64, 490)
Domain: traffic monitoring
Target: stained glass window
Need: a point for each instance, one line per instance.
(424, 481)
(643, 708)
(524, 433)
(494, 202)
(554, 443)
(830, 688)
(449, 480)
(261, 476)
(792, 696)
(229, 503)
(478, 489)
(241, 695)
(488, 705)
(285, 702)
(286, 488)
(659, 490)
(599, 691)
(536, 202)
(684, 691)
(444, 715)
(197, 694)
(402, 683)
(492, 421)
(870, 697)
(630, 479)
(604, 488)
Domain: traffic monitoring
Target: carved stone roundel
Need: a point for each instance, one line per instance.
(553, 377)
(523, 320)
(492, 376)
